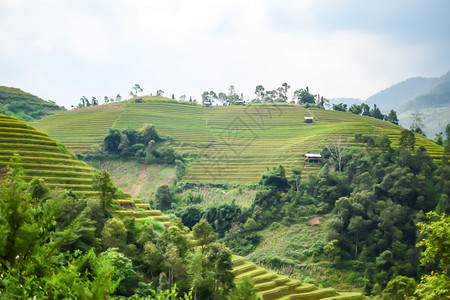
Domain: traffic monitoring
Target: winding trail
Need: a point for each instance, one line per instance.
(137, 186)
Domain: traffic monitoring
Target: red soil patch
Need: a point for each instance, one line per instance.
(314, 221)
(137, 186)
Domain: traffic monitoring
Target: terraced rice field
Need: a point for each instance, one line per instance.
(82, 129)
(270, 285)
(236, 143)
(183, 122)
(41, 156)
(349, 124)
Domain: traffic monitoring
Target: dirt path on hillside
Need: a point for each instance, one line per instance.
(137, 186)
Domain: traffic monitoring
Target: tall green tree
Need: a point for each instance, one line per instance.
(107, 189)
(392, 117)
(376, 113)
(259, 92)
(407, 139)
(204, 234)
(137, 89)
(303, 96)
(355, 109)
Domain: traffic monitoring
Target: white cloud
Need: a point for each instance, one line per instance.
(98, 48)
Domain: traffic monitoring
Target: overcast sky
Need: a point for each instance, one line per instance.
(61, 50)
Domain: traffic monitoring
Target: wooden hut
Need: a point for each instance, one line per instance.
(313, 157)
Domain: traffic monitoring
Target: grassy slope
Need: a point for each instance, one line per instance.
(236, 143)
(295, 251)
(138, 180)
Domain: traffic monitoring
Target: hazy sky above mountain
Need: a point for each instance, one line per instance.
(61, 50)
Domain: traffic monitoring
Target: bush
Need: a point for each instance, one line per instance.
(163, 197)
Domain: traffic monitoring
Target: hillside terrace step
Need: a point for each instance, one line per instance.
(275, 293)
(151, 214)
(246, 267)
(166, 224)
(305, 288)
(255, 273)
(265, 277)
(61, 180)
(51, 167)
(237, 260)
(11, 152)
(317, 294)
(346, 296)
(268, 285)
(293, 284)
(281, 279)
(144, 206)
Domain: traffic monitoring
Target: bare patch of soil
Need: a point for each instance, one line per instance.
(137, 186)
(314, 221)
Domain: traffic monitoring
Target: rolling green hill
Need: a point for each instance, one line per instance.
(235, 144)
(24, 106)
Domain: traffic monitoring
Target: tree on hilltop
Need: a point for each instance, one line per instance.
(137, 89)
(392, 117)
(232, 97)
(303, 96)
(376, 113)
(259, 92)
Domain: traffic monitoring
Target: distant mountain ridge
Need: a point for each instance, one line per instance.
(428, 96)
(396, 96)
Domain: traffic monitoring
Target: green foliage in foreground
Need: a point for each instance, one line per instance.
(31, 261)
(51, 247)
(24, 106)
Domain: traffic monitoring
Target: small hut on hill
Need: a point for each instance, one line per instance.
(313, 157)
(309, 119)
(207, 104)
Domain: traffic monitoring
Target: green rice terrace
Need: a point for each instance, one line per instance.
(235, 143)
(42, 156)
